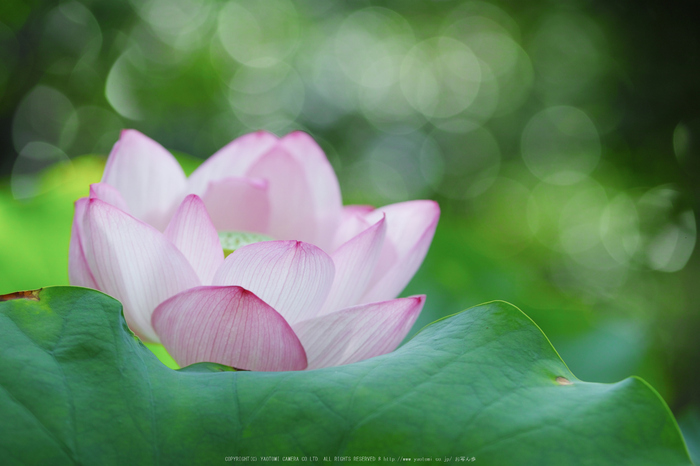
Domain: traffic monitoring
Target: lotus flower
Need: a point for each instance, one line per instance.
(252, 261)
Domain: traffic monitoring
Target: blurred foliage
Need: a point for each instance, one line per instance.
(560, 138)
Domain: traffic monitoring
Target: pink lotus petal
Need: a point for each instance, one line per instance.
(191, 230)
(410, 227)
(79, 273)
(354, 264)
(291, 276)
(150, 180)
(356, 209)
(133, 262)
(352, 223)
(232, 160)
(227, 325)
(359, 332)
(287, 192)
(109, 194)
(325, 190)
(238, 204)
(304, 194)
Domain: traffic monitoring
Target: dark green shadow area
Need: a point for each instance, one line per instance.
(76, 387)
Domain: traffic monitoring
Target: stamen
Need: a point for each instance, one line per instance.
(232, 240)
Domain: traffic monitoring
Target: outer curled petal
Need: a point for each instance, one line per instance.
(354, 263)
(194, 235)
(134, 263)
(109, 194)
(359, 332)
(352, 223)
(227, 325)
(291, 276)
(79, 272)
(238, 204)
(147, 176)
(410, 229)
(232, 160)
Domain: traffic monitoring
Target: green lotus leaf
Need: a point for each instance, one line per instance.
(77, 387)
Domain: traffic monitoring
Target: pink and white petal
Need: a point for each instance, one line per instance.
(291, 276)
(323, 183)
(238, 204)
(352, 223)
(232, 160)
(358, 332)
(148, 177)
(410, 227)
(227, 325)
(109, 194)
(79, 273)
(292, 212)
(193, 233)
(356, 209)
(354, 264)
(134, 263)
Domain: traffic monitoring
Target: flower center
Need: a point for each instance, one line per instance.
(232, 240)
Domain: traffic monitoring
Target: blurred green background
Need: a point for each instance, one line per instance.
(559, 137)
